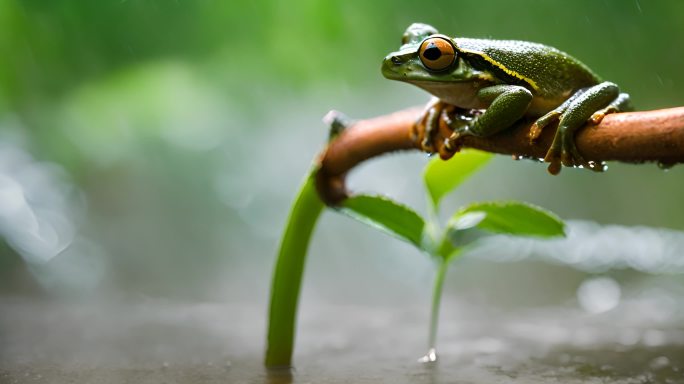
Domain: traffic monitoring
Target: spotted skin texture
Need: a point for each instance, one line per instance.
(545, 70)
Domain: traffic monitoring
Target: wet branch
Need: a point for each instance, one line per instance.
(634, 137)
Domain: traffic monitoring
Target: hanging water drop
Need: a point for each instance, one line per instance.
(430, 357)
(665, 165)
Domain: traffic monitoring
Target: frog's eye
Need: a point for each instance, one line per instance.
(437, 53)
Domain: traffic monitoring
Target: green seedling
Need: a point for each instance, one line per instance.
(470, 224)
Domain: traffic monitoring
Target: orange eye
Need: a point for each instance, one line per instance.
(437, 53)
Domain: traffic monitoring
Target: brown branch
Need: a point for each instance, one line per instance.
(634, 137)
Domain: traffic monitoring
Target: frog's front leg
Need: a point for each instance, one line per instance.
(428, 123)
(507, 104)
(594, 103)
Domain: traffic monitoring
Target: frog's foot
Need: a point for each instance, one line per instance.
(563, 151)
(426, 128)
(541, 123)
(453, 143)
(620, 104)
(552, 116)
(458, 122)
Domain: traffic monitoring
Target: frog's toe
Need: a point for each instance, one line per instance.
(541, 123)
(567, 159)
(598, 116)
(554, 166)
(553, 157)
(570, 157)
(449, 148)
(426, 129)
(535, 131)
(564, 152)
(421, 133)
(426, 145)
(415, 131)
(454, 142)
(620, 104)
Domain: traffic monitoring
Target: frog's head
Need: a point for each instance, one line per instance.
(425, 56)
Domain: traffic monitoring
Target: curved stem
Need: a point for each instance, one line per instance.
(287, 275)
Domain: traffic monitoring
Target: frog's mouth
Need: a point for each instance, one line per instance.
(397, 66)
(404, 65)
(411, 72)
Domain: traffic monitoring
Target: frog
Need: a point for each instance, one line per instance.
(482, 87)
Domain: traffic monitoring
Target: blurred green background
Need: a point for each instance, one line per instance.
(152, 147)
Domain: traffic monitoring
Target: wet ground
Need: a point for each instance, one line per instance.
(144, 340)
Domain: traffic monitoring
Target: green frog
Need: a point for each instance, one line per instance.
(491, 84)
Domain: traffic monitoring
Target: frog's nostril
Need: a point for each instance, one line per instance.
(396, 60)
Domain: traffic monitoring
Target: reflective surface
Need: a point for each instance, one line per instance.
(147, 340)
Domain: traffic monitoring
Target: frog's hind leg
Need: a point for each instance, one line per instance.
(563, 149)
(550, 117)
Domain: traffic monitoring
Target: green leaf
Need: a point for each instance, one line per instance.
(387, 215)
(510, 217)
(441, 176)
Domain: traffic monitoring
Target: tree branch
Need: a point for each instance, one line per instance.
(634, 137)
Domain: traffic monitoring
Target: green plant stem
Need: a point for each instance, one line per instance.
(287, 275)
(436, 300)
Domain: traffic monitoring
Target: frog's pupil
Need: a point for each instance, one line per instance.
(432, 52)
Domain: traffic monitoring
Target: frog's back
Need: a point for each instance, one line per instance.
(546, 70)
